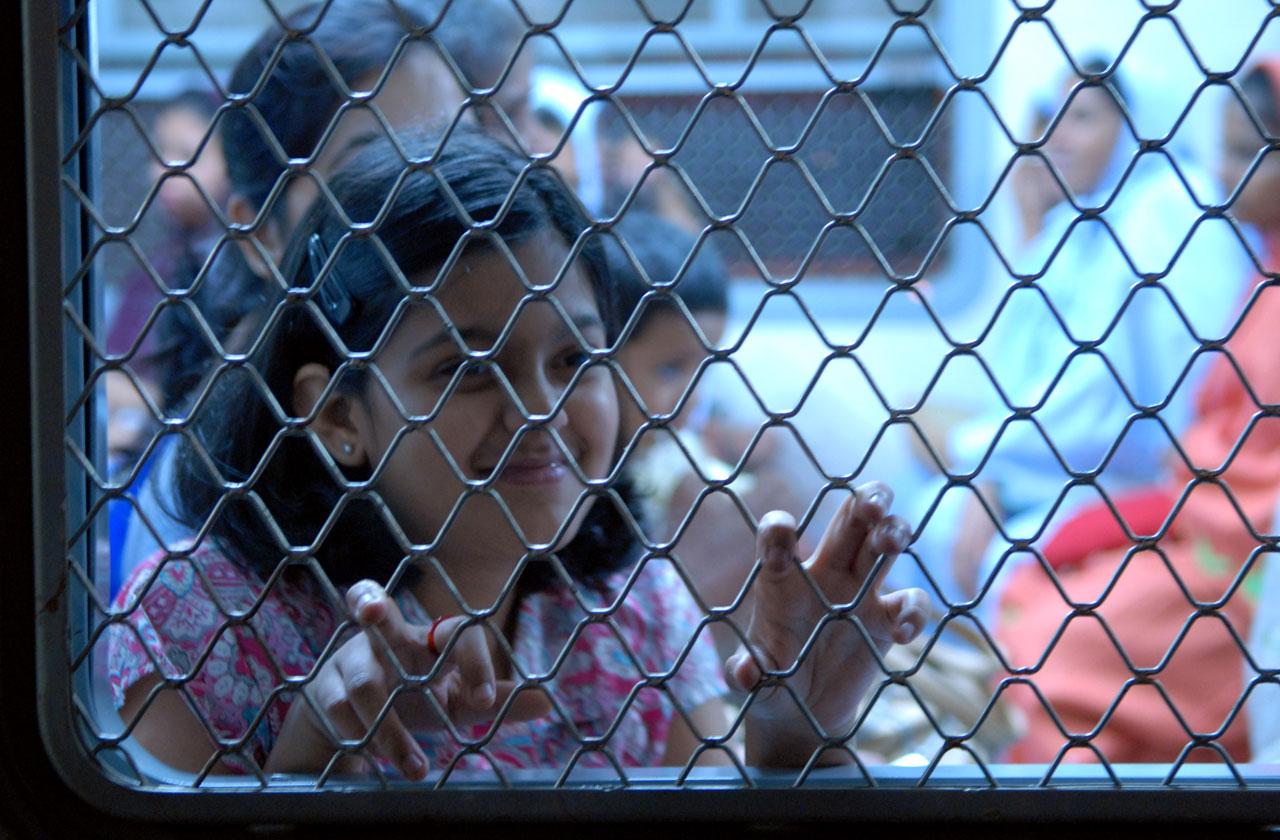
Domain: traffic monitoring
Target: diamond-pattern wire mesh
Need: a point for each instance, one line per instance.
(722, 157)
(103, 489)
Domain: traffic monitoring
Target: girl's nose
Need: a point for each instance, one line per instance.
(537, 396)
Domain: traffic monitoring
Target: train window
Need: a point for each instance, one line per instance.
(515, 396)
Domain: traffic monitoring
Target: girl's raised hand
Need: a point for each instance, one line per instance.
(352, 689)
(835, 670)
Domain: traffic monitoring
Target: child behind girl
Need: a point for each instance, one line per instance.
(664, 273)
(431, 426)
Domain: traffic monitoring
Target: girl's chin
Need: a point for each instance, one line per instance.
(539, 521)
(536, 532)
(540, 530)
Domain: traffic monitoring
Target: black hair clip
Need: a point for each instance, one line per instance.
(332, 295)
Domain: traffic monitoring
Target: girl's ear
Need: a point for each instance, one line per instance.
(333, 423)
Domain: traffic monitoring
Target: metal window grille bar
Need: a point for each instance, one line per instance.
(707, 141)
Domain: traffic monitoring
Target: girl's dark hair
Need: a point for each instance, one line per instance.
(661, 249)
(1262, 95)
(418, 229)
(184, 356)
(481, 36)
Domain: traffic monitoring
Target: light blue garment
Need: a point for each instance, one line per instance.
(1089, 280)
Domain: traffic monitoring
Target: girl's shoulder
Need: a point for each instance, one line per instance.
(204, 582)
(187, 571)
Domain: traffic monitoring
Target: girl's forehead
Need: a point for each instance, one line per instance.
(484, 291)
(487, 274)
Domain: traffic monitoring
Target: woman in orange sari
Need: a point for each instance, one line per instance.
(1136, 648)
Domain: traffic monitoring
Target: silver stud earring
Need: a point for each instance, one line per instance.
(347, 449)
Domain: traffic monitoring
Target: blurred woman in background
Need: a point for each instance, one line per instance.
(1144, 668)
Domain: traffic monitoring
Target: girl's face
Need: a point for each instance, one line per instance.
(478, 420)
(1259, 201)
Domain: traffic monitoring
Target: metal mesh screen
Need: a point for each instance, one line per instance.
(786, 216)
(608, 618)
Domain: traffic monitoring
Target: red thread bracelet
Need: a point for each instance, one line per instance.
(431, 635)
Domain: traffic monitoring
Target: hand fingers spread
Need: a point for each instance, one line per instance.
(367, 601)
(850, 527)
(392, 742)
(782, 593)
(743, 670)
(329, 701)
(527, 704)
(889, 538)
(776, 543)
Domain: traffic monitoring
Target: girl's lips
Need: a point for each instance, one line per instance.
(534, 471)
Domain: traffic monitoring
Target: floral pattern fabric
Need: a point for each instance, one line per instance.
(621, 678)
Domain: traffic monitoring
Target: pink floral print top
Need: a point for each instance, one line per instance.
(199, 620)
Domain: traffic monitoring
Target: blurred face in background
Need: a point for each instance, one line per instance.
(1082, 142)
(420, 90)
(178, 132)
(1259, 200)
(541, 136)
(660, 361)
(513, 97)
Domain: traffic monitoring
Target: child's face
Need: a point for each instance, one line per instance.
(661, 360)
(178, 134)
(478, 420)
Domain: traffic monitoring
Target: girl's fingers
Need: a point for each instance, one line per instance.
(366, 696)
(846, 536)
(527, 704)
(742, 669)
(905, 613)
(375, 609)
(776, 543)
(392, 742)
(330, 698)
(784, 600)
(874, 498)
(890, 537)
(470, 653)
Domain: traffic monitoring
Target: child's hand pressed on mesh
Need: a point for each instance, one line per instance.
(828, 671)
(354, 685)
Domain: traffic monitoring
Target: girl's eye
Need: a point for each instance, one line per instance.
(671, 370)
(576, 358)
(473, 370)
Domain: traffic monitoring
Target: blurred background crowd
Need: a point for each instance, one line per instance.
(1005, 300)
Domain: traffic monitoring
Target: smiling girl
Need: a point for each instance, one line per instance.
(416, 547)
